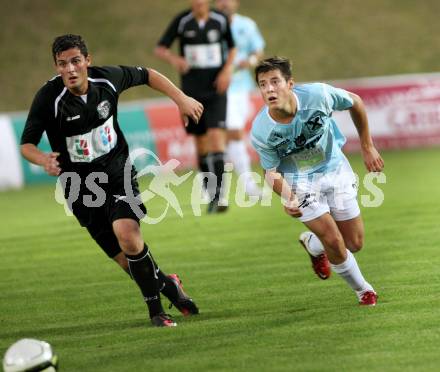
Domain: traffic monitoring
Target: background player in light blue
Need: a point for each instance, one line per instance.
(250, 45)
(299, 145)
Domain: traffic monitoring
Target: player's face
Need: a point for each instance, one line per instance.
(228, 7)
(200, 7)
(72, 66)
(275, 89)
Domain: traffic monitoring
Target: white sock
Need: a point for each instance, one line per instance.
(314, 245)
(350, 272)
(238, 155)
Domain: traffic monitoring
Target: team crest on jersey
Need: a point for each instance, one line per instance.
(315, 123)
(213, 36)
(103, 109)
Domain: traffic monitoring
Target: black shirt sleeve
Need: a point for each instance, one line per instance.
(124, 77)
(228, 36)
(171, 32)
(40, 114)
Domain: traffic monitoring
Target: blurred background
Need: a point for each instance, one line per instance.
(326, 40)
(262, 310)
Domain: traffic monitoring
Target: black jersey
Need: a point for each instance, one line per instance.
(84, 130)
(205, 48)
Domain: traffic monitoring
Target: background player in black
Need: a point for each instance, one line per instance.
(206, 54)
(78, 111)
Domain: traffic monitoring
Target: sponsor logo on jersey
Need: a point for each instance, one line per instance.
(300, 141)
(103, 109)
(82, 147)
(71, 118)
(86, 147)
(106, 134)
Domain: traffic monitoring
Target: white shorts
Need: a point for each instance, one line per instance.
(334, 193)
(238, 111)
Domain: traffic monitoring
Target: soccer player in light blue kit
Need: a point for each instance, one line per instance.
(299, 145)
(250, 45)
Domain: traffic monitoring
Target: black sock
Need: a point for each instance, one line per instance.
(166, 285)
(204, 168)
(142, 270)
(218, 163)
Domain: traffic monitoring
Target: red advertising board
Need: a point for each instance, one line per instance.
(403, 112)
(170, 137)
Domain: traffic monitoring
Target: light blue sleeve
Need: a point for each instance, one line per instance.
(257, 41)
(338, 99)
(268, 157)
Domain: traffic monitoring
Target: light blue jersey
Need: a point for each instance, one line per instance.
(312, 142)
(248, 40)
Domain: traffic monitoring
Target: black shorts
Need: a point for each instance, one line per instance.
(214, 115)
(99, 220)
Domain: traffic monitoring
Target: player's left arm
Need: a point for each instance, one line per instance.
(188, 106)
(256, 43)
(224, 77)
(251, 61)
(372, 159)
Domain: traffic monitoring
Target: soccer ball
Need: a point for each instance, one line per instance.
(28, 354)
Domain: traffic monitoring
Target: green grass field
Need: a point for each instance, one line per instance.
(262, 308)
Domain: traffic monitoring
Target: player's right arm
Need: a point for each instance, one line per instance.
(47, 160)
(279, 185)
(167, 55)
(39, 115)
(163, 51)
(188, 106)
(269, 161)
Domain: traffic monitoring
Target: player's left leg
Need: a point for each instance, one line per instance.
(239, 109)
(352, 231)
(237, 153)
(321, 214)
(345, 210)
(341, 259)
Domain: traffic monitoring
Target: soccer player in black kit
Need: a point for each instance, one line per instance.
(78, 111)
(205, 63)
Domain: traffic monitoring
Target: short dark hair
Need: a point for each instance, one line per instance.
(274, 63)
(68, 41)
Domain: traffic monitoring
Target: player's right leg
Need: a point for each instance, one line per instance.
(169, 285)
(142, 268)
(215, 113)
(201, 144)
(181, 300)
(341, 259)
(316, 251)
